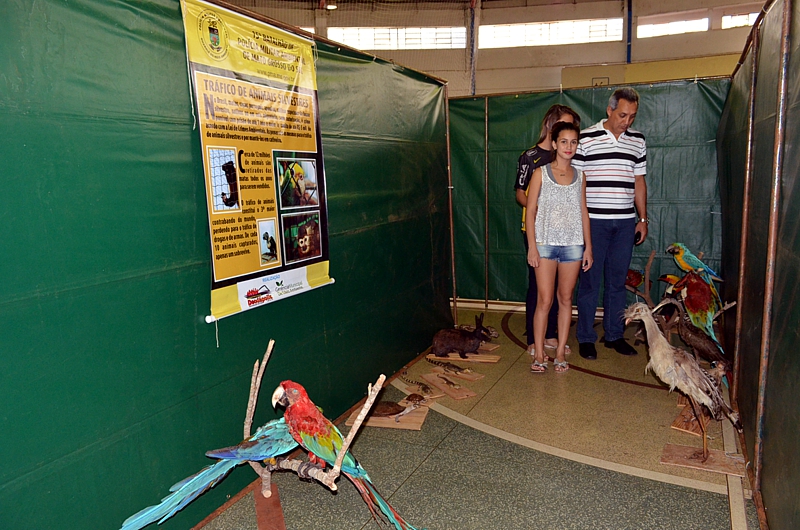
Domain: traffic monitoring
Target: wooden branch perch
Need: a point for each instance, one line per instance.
(372, 394)
(724, 308)
(255, 385)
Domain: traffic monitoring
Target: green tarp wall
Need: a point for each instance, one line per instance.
(780, 473)
(112, 385)
(679, 120)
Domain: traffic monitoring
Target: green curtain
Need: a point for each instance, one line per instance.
(780, 473)
(113, 384)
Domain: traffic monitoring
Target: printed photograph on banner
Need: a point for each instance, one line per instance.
(301, 236)
(269, 247)
(224, 181)
(298, 181)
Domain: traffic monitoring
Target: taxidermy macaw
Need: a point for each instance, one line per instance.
(700, 303)
(270, 440)
(323, 441)
(688, 262)
(635, 278)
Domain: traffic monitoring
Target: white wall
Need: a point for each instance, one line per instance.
(522, 69)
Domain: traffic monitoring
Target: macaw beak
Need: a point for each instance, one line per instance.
(672, 249)
(279, 397)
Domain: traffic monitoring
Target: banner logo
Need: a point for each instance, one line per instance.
(258, 296)
(213, 35)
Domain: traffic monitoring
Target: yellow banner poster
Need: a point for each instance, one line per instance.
(255, 99)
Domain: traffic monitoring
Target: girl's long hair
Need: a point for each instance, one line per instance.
(551, 117)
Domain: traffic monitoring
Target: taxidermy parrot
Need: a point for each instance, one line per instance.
(635, 279)
(688, 262)
(270, 440)
(323, 441)
(700, 303)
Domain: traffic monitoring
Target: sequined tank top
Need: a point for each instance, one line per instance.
(558, 217)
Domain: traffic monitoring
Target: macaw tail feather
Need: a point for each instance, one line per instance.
(182, 494)
(374, 499)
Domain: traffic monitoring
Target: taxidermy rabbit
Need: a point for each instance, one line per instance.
(460, 340)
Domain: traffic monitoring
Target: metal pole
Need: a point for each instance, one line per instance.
(486, 201)
(450, 205)
(748, 180)
(474, 24)
(756, 24)
(630, 28)
(772, 244)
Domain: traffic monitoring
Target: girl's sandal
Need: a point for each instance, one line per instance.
(539, 368)
(561, 366)
(567, 349)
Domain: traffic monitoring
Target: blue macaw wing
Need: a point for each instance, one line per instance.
(182, 494)
(270, 440)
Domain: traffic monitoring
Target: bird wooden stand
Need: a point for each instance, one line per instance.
(269, 513)
(717, 461)
(688, 423)
(268, 510)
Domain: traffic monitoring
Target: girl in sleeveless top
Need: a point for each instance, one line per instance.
(559, 240)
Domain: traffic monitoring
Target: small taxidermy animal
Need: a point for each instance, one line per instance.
(459, 340)
(233, 185)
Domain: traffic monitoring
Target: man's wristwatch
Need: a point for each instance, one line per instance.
(643, 219)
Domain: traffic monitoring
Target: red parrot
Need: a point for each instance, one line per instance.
(635, 279)
(700, 303)
(323, 441)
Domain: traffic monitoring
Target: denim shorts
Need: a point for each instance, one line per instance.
(561, 254)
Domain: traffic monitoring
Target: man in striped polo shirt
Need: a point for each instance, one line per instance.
(613, 158)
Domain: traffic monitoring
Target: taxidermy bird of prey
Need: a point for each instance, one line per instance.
(688, 262)
(323, 441)
(702, 345)
(270, 440)
(679, 369)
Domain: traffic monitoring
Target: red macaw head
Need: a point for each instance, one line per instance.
(288, 393)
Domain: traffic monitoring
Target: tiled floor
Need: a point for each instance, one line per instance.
(453, 475)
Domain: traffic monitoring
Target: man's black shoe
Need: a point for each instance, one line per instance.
(587, 350)
(621, 347)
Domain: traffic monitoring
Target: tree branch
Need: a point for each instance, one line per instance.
(255, 385)
(724, 308)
